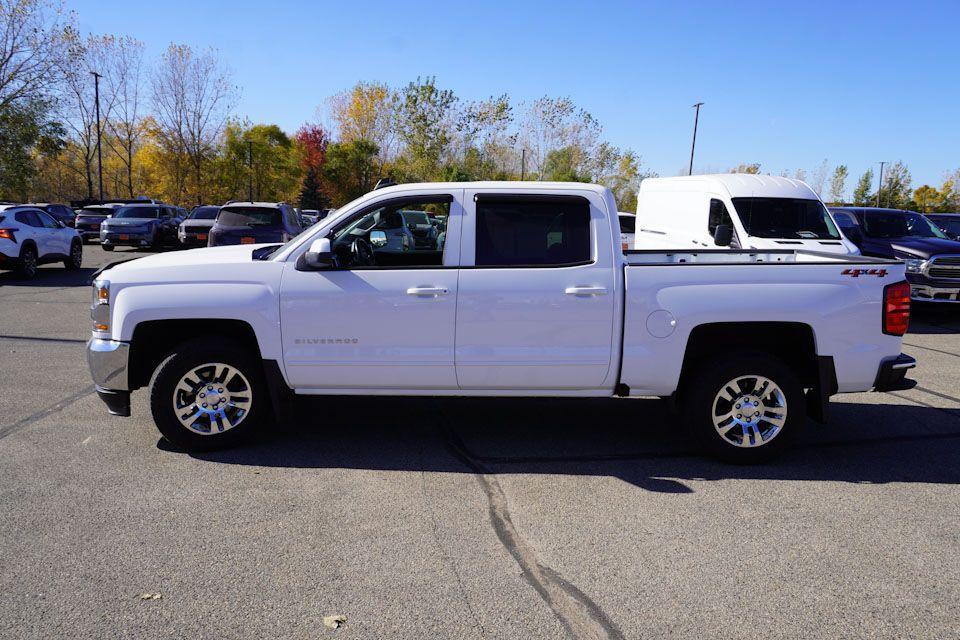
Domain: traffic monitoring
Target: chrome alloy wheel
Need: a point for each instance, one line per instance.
(212, 398)
(749, 411)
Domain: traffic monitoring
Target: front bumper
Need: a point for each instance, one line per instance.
(108, 361)
(927, 293)
(892, 373)
(131, 239)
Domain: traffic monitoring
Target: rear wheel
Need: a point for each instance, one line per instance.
(745, 408)
(28, 262)
(107, 247)
(75, 261)
(209, 395)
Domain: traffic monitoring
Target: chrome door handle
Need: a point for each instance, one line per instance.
(430, 292)
(585, 291)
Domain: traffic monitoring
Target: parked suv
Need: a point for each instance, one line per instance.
(90, 218)
(254, 223)
(949, 223)
(60, 212)
(140, 225)
(932, 259)
(195, 228)
(30, 237)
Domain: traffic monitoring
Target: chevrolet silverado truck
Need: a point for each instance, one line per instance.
(530, 295)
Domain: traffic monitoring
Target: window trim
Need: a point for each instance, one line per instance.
(542, 198)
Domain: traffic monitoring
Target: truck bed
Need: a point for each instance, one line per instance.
(638, 257)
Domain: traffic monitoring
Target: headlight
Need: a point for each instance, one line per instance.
(100, 313)
(914, 265)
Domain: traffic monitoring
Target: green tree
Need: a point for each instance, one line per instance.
(350, 170)
(838, 184)
(423, 123)
(896, 186)
(565, 165)
(23, 128)
(861, 194)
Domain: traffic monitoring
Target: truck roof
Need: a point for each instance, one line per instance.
(507, 185)
(736, 185)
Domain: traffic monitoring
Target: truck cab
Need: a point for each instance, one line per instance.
(740, 211)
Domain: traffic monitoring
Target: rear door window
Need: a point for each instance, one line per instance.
(532, 231)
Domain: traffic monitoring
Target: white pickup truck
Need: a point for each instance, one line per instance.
(529, 295)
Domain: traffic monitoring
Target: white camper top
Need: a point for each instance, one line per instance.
(735, 185)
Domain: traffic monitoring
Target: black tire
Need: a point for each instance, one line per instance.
(107, 247)
(184, 359)
(703, 390)
(75, 261)
(27, 267)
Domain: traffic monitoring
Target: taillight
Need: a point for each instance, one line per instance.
(896, 308)
(7, 234)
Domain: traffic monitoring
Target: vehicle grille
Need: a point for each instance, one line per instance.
(944, 267)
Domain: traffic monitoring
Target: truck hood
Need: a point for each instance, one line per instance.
(177, 261)
(924, 247)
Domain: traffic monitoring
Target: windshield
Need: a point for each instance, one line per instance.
(204, 213)
(899, 224)
(950, 225)
(248, 217)
(137, 212)
(792, 218)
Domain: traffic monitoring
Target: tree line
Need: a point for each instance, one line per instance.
(168, 129)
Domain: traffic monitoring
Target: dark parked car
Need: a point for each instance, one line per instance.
(90, 218)
(195, 229)
(140, 225)
(949, 223)
(60, 212)
(932, 259)
(254, 223)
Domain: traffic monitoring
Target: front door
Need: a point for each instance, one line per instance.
(537, 292)
(384, 318)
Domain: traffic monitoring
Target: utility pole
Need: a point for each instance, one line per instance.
(250, 164)
(880, 183)
(523, 164)
(96, 94)
(696, 119)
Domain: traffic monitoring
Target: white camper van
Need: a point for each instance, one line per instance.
(735, 210)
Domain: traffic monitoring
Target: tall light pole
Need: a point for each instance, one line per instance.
(250, 164)
(880, 183)
(696, 119)
(96, 93)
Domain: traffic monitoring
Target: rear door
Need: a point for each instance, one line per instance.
(537, 291)
(55, 236)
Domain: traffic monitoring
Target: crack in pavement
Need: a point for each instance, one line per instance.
(47, 411)
(580, 616)
(39, 339)
(920, 346)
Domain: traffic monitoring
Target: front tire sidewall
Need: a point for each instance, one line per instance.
(705, 386)
(183, 360)
(74, 262)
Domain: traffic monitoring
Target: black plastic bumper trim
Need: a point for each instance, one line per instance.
(892, 372)
(118, 402)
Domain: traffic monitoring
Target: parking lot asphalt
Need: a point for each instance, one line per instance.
(459, 518)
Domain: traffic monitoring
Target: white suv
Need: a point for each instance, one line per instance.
(30, 237)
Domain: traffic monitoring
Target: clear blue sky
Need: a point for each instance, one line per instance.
(785, 84)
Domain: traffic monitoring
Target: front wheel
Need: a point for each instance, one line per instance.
(209, 395)
(107, 247)
(744, 408)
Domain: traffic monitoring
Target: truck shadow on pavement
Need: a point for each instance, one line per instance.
(637, 441)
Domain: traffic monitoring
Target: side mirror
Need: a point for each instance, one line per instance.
(319, 256)
(853, 234)
(723, 235)
(378, 238)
